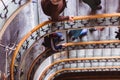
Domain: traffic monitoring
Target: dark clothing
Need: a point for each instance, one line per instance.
(118, 34)
(52, 40)
(77, 33)
(54, 10)
(94, 4)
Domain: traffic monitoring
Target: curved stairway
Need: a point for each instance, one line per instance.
(23, 55)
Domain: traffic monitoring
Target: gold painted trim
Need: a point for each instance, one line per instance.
(89, 68)
(76, 59)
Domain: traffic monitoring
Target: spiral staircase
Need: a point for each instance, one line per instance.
(89, 58)
(71, 58)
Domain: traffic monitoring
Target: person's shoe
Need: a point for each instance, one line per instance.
(74, 38)
(92, 30)
(61, 39)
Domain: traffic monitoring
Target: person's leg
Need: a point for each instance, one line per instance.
(46, 42)
(90, 3)
(92, 30)
(94, 4)
(97, 4)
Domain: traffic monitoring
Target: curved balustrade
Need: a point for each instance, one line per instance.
(57, 66)
(108, 68)
(23, 45)
(104, 75)
(36, 63)
(46, 27)
(94, 44)
(8, 10)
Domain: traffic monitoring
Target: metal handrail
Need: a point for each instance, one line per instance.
(46, 55)
(76, 59)
(48, 22)
(76, 69)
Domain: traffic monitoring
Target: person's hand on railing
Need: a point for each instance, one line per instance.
(71, 19)
(64, 45)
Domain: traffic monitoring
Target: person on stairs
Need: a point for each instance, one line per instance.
(52, 41)
(74, 34)
(54, 8)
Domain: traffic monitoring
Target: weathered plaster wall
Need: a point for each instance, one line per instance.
(25, 21)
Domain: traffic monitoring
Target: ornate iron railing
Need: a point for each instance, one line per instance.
(113, 68)
(37, 62)
(47, 28)
(83, 65)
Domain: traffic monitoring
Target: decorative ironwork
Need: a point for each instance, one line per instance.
(90, 70)
(5, 9)
(86, 68)
(88, 23)
(84, 23)
(15, 2)
(44, 56)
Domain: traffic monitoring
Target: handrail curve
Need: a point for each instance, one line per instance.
(76, 59)
(75, 69)
(35, 61)
(19, 45)
(45, 23)
(92, 42)
(67, 45)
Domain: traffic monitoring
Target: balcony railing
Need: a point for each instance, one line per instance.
(113, 68)
(83, 65)
(38, 61)
(101, 20)
(80, 65)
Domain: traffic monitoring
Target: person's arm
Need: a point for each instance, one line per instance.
(62, 18)
(54, 46)
(58, 47)
(59, 18)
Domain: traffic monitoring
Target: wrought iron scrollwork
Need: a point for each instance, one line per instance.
(83, 62)
(18, 57)
(2, 16)
(19, 2)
